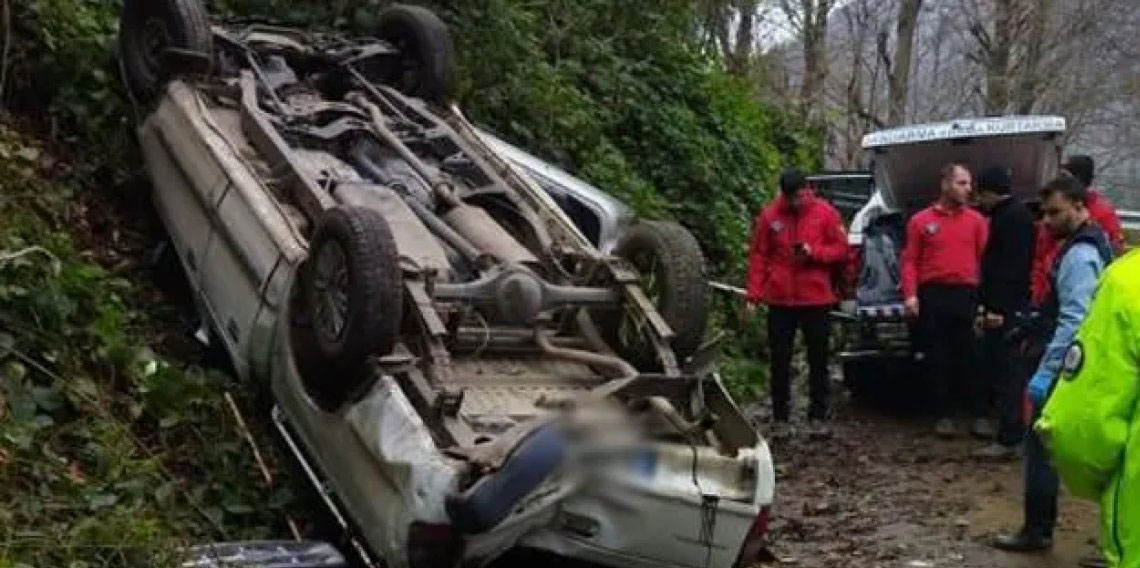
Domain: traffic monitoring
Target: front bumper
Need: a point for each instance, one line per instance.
(874, 332)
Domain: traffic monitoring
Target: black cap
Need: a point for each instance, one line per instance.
(791, 180)
(995, 179)
(1082, 167)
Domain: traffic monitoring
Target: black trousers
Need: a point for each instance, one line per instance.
(946, 336)
(1042, 485)
(1004, 378)
(782, 325)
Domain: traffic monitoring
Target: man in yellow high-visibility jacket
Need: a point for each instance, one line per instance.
(1091, 423)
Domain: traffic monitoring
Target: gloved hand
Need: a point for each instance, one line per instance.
(1039, 388)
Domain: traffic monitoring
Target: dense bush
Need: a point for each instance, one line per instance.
(109, 455)
(621, 97)
(64, 78)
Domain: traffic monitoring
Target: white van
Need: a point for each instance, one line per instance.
(905, 165)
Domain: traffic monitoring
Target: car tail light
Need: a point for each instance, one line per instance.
(754, 541)
(432, 545)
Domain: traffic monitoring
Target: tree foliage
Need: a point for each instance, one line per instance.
(109, 454)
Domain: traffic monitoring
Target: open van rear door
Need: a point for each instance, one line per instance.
(907, 160)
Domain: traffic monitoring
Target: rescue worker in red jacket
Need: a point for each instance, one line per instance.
(1101, 212)
(940, 274)
(797, 240)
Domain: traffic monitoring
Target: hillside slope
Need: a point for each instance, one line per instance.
(110, 455)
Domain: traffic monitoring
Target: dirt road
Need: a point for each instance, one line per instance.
(883, 492)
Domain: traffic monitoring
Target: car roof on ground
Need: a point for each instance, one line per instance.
(965, 128)
(556, 174)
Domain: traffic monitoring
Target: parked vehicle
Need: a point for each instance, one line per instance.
(847, 191)
(876, 339)
(454, 363)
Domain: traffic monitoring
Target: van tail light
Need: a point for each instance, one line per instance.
(753, 549)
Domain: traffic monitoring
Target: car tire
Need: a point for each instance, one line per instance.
(427, 55)
(148, 29)
(672, 268)
(353, 289)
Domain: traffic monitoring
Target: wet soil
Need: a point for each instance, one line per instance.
(883, 491)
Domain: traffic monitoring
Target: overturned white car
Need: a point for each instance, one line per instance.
(457, 367)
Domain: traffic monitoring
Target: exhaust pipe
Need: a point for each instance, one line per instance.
(487, 235)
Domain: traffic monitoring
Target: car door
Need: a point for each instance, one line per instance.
(238, 243)
(177, 196)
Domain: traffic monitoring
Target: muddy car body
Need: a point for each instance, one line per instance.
(876, 340)
(456, 365)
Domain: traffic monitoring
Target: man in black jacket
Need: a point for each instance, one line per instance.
(1004, 291)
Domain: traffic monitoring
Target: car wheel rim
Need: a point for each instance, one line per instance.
(330, 287)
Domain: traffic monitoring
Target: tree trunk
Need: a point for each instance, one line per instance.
(900, 72)
(997, 60)
(742, 52)
(814, 14)
(1029, 80)
(719, 24)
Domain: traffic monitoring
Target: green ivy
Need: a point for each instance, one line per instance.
(109, 455)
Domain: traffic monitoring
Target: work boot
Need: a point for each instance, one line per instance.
(983, 429)
(1024, 541)
(945, 428)
(998, 452)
